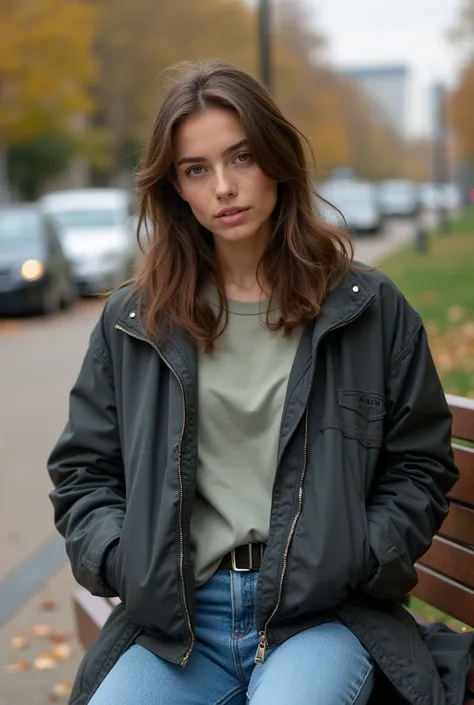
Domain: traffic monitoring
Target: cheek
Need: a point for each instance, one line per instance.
(265, 190)
(195, 197)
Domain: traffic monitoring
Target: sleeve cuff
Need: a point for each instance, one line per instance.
(109, 573)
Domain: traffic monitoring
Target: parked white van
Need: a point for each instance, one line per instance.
(97, 234)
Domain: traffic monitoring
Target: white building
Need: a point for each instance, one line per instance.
(387, 87)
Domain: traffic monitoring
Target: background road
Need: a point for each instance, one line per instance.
(39, 361)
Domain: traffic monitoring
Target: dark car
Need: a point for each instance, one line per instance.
(35, 276)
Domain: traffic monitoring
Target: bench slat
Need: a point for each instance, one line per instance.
(450, 559)
(91, 613)
(463, 490)
(459, 524)
(462, 410)
(445, 594)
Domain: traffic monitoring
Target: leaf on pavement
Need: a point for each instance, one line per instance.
(45, 661)
(48, 606)
(60, 690)
(61, 652)
(18, 666)
(20, 642)
(42, 630)
(59, 636)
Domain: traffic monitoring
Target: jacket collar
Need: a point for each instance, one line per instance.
(342, 305)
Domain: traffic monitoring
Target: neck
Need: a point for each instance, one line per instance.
(238, 262)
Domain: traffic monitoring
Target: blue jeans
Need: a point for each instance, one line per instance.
(324, 665)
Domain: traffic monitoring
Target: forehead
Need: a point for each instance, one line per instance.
(207, 133)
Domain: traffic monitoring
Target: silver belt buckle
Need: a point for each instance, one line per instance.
(250, 568)
(234, 564)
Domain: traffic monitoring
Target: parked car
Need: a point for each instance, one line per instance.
(451, 197)
(431, 196)
(399, 198)
(97, 235)
(35, 276)
(357, 201)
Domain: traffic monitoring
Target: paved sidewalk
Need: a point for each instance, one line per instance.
(33, 686)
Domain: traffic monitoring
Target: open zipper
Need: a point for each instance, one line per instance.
(262, 635)
(181, 497)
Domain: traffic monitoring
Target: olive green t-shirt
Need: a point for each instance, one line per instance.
(242, 387)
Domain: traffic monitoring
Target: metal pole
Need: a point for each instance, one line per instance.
(264, 36)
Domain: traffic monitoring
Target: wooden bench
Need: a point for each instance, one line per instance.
(446, 571)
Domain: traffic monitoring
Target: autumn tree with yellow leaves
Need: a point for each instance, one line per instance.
(462, 98)
(46, 65)
(46, 68)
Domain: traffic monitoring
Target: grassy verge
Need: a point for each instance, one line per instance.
(440, 286)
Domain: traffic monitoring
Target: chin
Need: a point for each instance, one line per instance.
(235, 235)
(238, 233)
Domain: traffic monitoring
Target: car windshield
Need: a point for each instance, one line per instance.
(352, 198)
(19, 226)
(82, 218)
(397, 191)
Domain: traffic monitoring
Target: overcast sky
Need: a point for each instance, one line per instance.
(411, 32)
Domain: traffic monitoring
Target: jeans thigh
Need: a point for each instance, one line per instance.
(324, 665)
(141, 678)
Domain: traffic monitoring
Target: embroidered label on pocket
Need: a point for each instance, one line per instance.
(370, 405)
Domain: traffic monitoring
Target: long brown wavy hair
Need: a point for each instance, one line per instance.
(305, 256)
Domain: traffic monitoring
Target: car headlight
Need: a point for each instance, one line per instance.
(31, 270)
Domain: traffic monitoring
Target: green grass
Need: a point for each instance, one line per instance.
(440, 287)
(434, 615)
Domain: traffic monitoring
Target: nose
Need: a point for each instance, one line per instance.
(225, 186)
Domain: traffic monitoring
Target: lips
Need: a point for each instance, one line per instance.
(226, 212)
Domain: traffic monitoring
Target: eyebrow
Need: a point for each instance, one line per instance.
(231, 148)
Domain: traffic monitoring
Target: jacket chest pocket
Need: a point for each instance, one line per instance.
(358, 415)
(353, 433)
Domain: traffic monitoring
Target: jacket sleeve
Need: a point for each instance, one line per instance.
(407, 502)
(87, 471)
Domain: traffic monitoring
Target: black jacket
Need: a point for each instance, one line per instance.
(364, 466)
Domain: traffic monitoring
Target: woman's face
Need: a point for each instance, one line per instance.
(216, 174)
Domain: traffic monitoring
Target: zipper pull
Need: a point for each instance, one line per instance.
(262, 645)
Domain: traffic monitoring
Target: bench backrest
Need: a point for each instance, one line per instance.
(446, 571)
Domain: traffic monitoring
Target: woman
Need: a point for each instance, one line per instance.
(258, 448)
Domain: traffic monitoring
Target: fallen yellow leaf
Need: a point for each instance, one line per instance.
(18, 666)
(60, 690)
(20, 642)
(48, 606)
(45, 662)
(59, 636)
(455, 314)
(42, 630)
(61, 652)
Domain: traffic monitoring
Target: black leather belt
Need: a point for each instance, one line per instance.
(244, 559)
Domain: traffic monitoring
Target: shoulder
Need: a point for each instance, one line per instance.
(104, 333)
(117, 303)
(399, 321)
(384, 290)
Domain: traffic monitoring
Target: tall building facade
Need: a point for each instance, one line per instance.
(387, 87)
